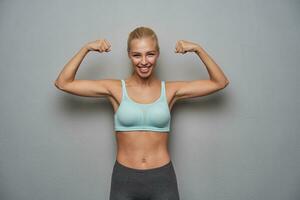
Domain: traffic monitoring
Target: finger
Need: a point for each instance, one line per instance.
(108, 46)
(99, 44)
(107, 43)
(105, 47)
(103, 44)
(108, 49)
(180, 50)
(176, 45)
(179, 43)
(101, 49)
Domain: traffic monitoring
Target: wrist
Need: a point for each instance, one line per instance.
(198, 49)
(85, 49)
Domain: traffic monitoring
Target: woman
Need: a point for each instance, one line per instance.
(142, 104)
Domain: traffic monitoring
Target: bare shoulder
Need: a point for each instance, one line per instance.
(171, 88)
(113, 84)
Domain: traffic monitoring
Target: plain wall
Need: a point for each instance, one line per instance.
(238, 143)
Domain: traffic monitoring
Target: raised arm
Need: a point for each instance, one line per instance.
(197, 88)
(90, 88)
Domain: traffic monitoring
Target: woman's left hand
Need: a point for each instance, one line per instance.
(183, 46)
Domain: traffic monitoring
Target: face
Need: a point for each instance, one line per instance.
(143, 55)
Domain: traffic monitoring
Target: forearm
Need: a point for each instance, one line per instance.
(69, 71)
(214, 71)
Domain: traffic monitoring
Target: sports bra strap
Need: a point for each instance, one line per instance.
(123, 88)
(163, 89)
(135, 116)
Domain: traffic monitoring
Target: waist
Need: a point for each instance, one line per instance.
(142, 150)
(143, 161)
(159, 169)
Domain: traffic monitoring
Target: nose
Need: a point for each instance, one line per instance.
(144, 60)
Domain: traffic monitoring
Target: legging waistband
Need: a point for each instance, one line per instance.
(156, 169)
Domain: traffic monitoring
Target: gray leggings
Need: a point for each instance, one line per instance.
(143, 184)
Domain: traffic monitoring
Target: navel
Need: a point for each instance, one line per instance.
(144, 160)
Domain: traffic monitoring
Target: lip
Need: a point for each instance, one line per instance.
(144, 67)
(148, 69)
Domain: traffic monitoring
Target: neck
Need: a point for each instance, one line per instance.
(143, 82)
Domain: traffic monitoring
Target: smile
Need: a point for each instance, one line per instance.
(144, 69)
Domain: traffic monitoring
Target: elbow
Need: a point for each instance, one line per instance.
(224, 84)
(57, 85)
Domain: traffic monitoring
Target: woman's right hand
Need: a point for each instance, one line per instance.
(99, 45)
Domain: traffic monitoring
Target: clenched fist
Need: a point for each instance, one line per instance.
(101, 45)
(183, 46)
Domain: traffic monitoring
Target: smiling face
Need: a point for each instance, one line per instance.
(143, 55)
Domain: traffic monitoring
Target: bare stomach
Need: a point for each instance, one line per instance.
(142, 149)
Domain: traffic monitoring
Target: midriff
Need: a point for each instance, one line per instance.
(142, 149)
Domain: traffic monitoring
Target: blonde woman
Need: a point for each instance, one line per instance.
(142, 104)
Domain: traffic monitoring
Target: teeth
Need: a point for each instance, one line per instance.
(144, 69)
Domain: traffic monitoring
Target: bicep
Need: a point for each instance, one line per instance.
(88, 88)
(195, 88)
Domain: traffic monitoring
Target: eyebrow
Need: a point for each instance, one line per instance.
(146, 52)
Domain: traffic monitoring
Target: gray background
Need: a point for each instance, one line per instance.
(239, 143)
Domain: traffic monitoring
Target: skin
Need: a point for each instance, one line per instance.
(141, 149)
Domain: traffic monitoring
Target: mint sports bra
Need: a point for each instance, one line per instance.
(133, 116)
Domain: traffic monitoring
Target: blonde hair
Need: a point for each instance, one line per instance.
(142, 32)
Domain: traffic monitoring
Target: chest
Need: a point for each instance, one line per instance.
(140, 96)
